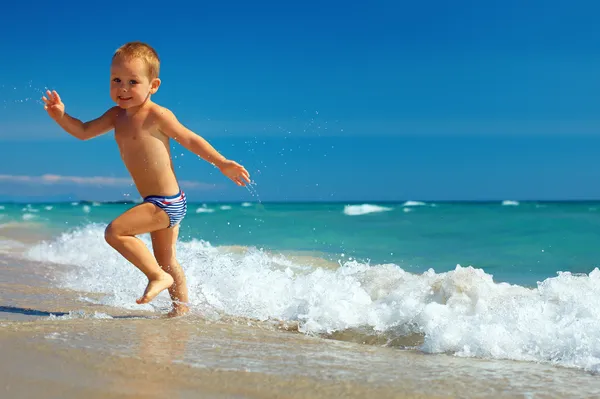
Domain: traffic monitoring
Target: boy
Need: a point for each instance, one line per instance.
(142, 132)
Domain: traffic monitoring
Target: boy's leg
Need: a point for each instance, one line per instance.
(163, 244)
(120, 234)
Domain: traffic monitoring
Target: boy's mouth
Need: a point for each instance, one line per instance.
(124, 98)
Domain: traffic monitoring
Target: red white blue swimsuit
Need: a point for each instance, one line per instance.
(175, 206)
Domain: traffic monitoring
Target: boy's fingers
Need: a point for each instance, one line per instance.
(56, 96)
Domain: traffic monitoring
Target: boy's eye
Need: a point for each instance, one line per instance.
(116, 80)
(133, 82)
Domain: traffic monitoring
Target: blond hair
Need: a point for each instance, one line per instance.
(142, 51)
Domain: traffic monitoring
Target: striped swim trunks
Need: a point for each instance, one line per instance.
(175, 206)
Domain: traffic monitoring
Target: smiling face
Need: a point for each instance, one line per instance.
(130, 84)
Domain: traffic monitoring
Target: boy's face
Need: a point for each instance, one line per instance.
(129, 82)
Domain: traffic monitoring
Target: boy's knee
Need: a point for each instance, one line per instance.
(111, 235)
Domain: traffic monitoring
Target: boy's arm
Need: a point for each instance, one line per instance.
(83, 131)
(91, 129)
(169, 125)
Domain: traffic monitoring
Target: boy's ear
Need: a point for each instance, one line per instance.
(154, 85)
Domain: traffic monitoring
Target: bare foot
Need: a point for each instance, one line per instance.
(154, 287)
(179, 309)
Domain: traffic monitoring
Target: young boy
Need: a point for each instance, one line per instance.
(142, 132)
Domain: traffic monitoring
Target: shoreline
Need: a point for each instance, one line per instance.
(57, 343)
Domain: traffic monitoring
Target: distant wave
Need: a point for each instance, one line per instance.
(510, 203)
(355, 210)
(414, 203)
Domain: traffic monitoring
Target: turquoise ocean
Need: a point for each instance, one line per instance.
(492, 280)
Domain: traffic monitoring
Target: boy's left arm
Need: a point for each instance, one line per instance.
(170, 126)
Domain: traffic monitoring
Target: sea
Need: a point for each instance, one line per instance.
(508, 281)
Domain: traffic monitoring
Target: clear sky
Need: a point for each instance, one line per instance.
(320, 100)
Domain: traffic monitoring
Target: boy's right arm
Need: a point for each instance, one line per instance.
(75, 127)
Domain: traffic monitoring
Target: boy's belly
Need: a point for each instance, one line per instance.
(151, 171)
(155, 181)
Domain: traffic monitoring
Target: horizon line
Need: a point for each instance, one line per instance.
(347, 202)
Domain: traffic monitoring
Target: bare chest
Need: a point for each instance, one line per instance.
(134, 128)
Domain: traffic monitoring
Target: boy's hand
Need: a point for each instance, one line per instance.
(235, 172)
(53, 105)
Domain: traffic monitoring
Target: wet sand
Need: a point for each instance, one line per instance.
(40, 370)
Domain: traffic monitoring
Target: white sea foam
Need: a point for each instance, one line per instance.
(225, 207)
(80, 314)
(8, 246)
(356, 210)
(510, 203)
(462, 311)
(204, 209)
(28, 216)
(246, 204)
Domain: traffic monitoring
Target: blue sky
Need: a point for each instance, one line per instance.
(334, 101)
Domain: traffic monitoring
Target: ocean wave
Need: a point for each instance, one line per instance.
(364, 209)
(510, 203)
(414, 203)
(462, 311)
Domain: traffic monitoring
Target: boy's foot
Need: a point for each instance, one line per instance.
(179, 309)
(154, 288)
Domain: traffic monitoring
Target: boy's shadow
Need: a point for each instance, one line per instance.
(43, 313)
(29, 312)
